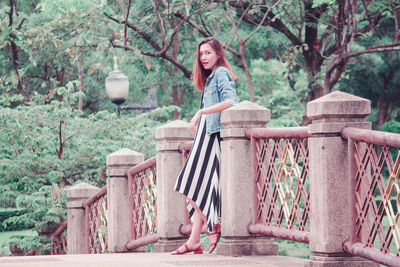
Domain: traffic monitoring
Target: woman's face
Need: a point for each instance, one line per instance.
(208, 56)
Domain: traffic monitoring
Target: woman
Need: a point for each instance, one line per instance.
(199, 179)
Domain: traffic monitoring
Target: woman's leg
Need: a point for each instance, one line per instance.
(198, 221)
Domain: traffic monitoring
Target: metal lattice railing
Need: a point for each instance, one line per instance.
(96, 222)
(281, 179)
(143, 202)
(59, 240)
(374, 161)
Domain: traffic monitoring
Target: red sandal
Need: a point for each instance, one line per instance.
(213, 245)
(196, 250)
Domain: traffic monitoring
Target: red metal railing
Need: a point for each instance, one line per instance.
(96, 222)
(143, 202)
(185, 150)
(374, 161)
(59, 240)
(281, 169)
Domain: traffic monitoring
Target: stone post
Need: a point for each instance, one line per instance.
(117, 197)
(237, 181)
(330, 211)
(76, 195)
(171, 205)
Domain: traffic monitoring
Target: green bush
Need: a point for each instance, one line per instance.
(44, 148)
(9, 220)
(391, 126)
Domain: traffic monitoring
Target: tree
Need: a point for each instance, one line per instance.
(15, 22)
(376, 77)
(160, 32)
(204, 29)
(57, 43)
(321, 33)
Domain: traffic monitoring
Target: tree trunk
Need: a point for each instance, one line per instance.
(60, 78)
(174, 95)
(78, 57)
(16, 68)
(246, 71)
(14, 51)
(384, 104)
(176, 98)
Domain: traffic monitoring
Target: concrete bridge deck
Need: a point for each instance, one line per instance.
(148, 260)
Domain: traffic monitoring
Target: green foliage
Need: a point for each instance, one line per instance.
(293, 249)
(46, 147)
(6, 214)
(391, 126)
(316, 3)
(5, 238)
(29, 242)
(284, 98)
(375, 77)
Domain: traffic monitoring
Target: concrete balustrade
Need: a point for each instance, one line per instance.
(117, 197)
(330, 212)
(171, 206)
(77, 195)
(237, 180)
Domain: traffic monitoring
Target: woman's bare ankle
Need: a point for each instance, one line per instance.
(191, 242)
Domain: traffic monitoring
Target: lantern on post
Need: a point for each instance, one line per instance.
(117, 87)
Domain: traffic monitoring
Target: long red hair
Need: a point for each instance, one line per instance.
(199, 75)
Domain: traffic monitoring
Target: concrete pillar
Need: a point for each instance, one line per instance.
(171, 205)
(76, 227)
(237, 180)
(330, 211)
(117, 197)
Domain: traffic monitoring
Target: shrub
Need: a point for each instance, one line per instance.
(9, 220)
(44, 148)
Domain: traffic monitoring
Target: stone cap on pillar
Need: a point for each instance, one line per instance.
(121, 160)
(172, 134)
(240, 117)
(77, 194)
(332, 112)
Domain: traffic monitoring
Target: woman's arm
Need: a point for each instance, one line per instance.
(213, 109)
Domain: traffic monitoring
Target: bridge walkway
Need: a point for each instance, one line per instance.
(148, 260)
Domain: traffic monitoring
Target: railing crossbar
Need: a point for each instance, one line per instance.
(185, 147)
(359, 249)
(59, 230)
(280, 232)
(287, 132)
(372, 137)
(142, 241)
(95, 197)
(141, 167)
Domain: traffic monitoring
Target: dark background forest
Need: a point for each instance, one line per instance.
(57, 124)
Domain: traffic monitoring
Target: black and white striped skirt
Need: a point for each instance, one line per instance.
(199, 179)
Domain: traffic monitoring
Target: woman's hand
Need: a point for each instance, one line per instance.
(194, 121)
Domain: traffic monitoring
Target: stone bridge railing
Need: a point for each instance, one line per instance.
(322, 184)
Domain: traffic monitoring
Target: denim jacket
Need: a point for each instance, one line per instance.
(219, 87)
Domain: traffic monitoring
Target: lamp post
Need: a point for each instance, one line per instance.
(117, 87)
